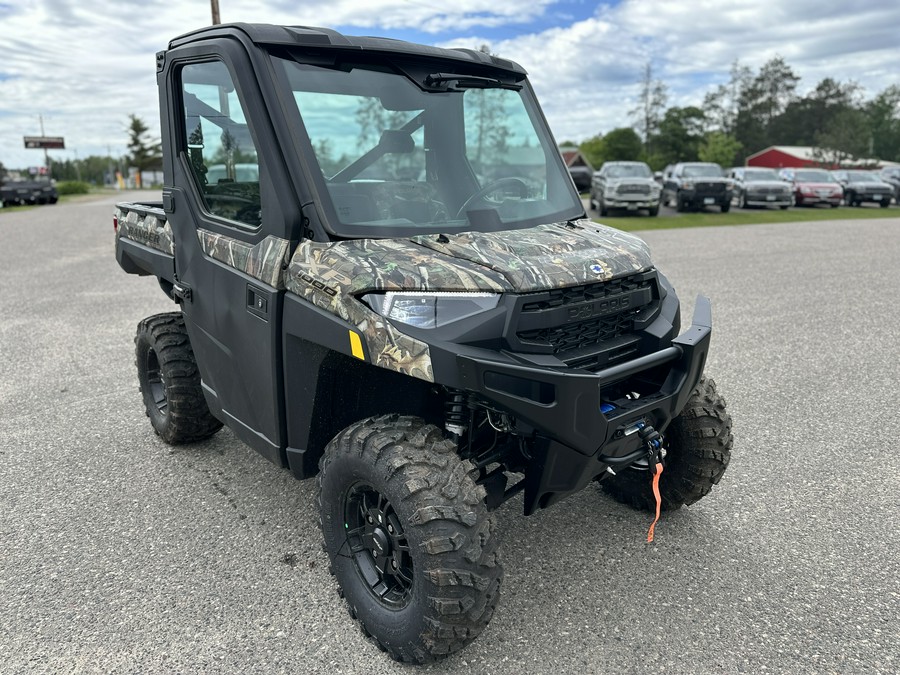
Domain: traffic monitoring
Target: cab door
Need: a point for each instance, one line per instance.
(231, 245)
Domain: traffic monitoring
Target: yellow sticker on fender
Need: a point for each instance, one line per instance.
(356, 346)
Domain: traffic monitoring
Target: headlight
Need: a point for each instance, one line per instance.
(729, 185)
(429, 310)
(687, 185)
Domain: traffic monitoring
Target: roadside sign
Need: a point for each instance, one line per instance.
(46, 142)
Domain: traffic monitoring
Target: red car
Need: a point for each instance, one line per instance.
(813, 186)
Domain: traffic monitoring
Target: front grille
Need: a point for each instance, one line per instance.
(583, 325)
(560, 297)
(711, 188)
(581, 334)
(635, 189)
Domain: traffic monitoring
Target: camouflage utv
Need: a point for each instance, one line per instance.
(388, 280)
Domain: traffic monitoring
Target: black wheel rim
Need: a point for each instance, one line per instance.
(378, 545)
(155, 383)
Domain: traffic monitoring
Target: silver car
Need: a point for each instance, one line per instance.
(757, 186)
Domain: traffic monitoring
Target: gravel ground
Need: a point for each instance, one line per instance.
(121, 554)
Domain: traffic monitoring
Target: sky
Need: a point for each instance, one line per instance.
(86, 66)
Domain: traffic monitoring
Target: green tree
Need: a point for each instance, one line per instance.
(883, 114)
(803, 118)
(145, 153)
(593, 150)
(680, 135)
(720, 148)
(762, 100)
(723, 103)
(2, 173)
(652, 100)
(622, 144)
(846, 136)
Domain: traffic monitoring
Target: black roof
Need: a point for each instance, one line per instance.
(307, 36)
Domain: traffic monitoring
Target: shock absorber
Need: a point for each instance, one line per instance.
(456, 413)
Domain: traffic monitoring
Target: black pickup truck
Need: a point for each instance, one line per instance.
(385, 278)
(695, 185)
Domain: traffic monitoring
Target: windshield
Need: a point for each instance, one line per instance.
(813, 176)
(702, 171)
(760, 175)
(863, 177)
(396, 160)
(630, 171)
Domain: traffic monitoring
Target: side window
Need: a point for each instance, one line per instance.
(220, 149)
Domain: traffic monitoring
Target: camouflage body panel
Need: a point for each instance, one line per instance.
(147, 226)
(264, 261)
(548, 256)
(329, 275)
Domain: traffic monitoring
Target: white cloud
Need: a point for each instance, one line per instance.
(87, 66)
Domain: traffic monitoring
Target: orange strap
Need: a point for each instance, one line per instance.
(659, 470)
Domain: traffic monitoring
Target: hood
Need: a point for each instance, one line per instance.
(767, 184)
(538, 258)
(548, 256)
(875, 185)
(805, 185)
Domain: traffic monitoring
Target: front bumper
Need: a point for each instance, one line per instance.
(575, 442)
(632, 203)
(807, 198)
(701, 198)
(767, 200)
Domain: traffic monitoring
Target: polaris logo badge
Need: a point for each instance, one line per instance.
(600, 307)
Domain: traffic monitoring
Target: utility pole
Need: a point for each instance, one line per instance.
(46, 156)
(215, 12)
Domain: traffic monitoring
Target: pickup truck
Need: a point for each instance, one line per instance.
(384, 278)
(625, 185)
(696, 185)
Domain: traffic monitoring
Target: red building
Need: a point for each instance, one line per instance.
(781, 156)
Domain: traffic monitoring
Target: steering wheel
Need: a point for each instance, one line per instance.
(493, 186)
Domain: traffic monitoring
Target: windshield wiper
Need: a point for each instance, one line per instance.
(462, 82)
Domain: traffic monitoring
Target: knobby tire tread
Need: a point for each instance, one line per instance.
(457, 538)
(187, 418)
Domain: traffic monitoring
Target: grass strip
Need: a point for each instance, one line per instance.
(752, 217)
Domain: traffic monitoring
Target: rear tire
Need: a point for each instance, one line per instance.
(409, 537)
(698, 444)
(170, 381)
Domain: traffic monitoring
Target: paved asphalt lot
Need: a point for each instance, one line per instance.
(120, 554)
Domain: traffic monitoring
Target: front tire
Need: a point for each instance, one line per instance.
(170, 381)
(409, 537)
(698, 444)
(726, 207)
